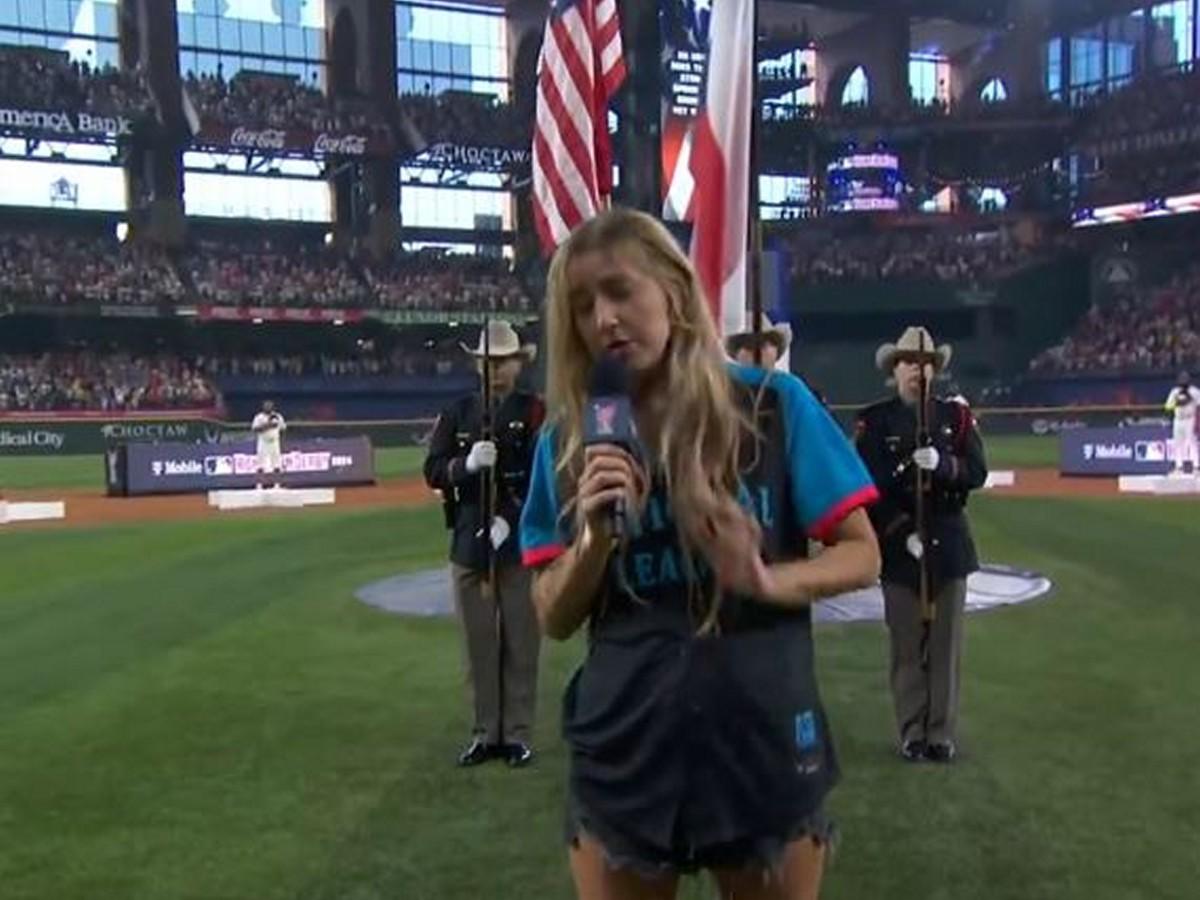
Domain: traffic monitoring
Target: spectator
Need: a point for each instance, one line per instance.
(1157, 332)
(110, 383)
(43, 80)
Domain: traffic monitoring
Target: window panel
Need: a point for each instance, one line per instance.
(314, 43)
(206, 32)
(32, 14)
(251, 37)
(460, 59)
(273, 40)
(441, 57)
(9, 15)
(293, 41)
(106, 21)
(422, 55)
(404, 54)
(227, 34)
(187, 30)
(58, 15)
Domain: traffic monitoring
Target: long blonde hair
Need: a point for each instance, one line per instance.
(697, 451)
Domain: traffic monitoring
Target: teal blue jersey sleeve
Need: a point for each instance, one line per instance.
(826, 478)
(543, 538)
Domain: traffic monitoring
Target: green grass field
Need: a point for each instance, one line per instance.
(202, 710)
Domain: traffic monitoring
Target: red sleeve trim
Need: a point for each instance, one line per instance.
(823, 528)
(539, 556)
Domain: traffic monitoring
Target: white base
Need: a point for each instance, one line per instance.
(1002, 478)
(277, 498)
(1159, 484)
(31, 512)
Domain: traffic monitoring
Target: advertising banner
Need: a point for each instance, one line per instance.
(63, 125)
(47, 435)
(173, 468)
(293, 140)
(1135, 450)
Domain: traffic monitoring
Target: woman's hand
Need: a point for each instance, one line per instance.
(609, 474)
(733, 547)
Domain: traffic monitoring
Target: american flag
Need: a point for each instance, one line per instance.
(580, 67)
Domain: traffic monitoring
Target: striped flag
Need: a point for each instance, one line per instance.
(580, 67)
(716, 155)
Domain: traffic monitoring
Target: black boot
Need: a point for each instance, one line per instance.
(477, 752)
(519, 755)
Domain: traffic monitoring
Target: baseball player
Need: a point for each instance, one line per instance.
(268, 427)
(1181, 402)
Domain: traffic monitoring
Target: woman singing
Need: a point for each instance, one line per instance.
(697, 737)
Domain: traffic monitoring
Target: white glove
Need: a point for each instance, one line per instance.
(499, 532)
(482, 456)
(926, 458)
(913, 545)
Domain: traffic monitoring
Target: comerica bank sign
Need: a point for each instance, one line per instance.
(64, 124)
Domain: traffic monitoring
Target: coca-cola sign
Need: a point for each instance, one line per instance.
(265, 139)
(340, 145)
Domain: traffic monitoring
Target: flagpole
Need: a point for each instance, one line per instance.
(754, 216)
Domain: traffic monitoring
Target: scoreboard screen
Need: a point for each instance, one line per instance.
(863, 182)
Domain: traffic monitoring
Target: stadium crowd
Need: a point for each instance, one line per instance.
(408, 361)
(41, 80)
(959, 258)
(45, 267)
(269, 273)
(1159, 331)
(261, 100)
(104, 382)
(461, 117)
(1144, 136)
(429, 280)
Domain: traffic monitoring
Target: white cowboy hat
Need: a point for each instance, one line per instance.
(502, 342)
(914, 341)
(777, 335)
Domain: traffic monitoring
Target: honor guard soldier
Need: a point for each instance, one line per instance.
(925, 538)
(479, 459)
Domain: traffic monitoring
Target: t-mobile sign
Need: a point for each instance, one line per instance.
(1136, 450)
(188, 468)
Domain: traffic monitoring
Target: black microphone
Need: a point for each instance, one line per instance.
(608, 419)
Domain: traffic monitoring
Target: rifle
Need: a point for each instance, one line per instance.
(928, 607)
(488, 504)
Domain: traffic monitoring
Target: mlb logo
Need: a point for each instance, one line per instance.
(157, 468)
(1089, 450)
(218, 465)
(1150, 451)
(605, 414)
